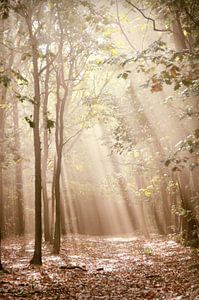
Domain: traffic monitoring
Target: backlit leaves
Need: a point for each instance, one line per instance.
(30, 121)
(5, 80)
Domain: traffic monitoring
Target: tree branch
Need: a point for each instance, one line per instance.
(72, 136)
(121, 28)
(148, 18)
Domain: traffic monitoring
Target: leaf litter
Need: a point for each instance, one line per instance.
(101, 268)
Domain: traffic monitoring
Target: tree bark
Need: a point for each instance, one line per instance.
(140, 183)
(189, 222)
(53, 204)
(20, 225)
(59, 130)
(37, 257)
(45, 155)
(2, 137)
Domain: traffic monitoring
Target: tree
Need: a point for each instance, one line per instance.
(26, 11)
(20, 226)
(46, 130)
(178, 69)
(4, 81)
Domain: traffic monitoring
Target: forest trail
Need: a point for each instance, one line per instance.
(102, 268)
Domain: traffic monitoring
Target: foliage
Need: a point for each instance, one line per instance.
(5, 80)
(4, 9)
(190, 145)
(165, 66)
(30, 121)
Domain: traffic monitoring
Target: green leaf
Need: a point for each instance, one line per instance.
(125, 75)
(50, 124)
(29, 121)
(196, 132)
(5, 80)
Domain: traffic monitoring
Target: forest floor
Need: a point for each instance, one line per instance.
(101, 268)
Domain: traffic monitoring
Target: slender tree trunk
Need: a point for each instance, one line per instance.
(53, 203)
(188, 220)
(45, 156)
(1, 206)
(140, 184)
(2, 101)
(63, 215)
(37, 257)
(59, 147)
(175, 202)
(57, 236)
(59, 132)
(2, 125)
(67, 211)
(158, 220)
(20, 225)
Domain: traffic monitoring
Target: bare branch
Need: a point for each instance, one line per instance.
(121, 28)
(148, 18)
(74, 135)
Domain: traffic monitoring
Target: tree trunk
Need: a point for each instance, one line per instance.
(37, 257)
(53, 203)
(67, 209)
(2, 125)
(20, 225)
(45, 155)
(1, 215)
(179, 38)
(59, 132)
(140, 184)
(158, 220)
(188, 220)
(63, 215)
(57, 235)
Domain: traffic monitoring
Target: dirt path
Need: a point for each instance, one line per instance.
(96, 268)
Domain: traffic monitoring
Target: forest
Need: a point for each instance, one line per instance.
(99, 149)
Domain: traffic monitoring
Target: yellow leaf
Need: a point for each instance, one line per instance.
(124, 18)
(136, 153)
(98, 61)
(107, 33)
(148, 193)
(114, 52)
(185, 32)
(144, 27)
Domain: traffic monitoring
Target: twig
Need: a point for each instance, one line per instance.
(148, 18)
(72, 136)
(121, 28)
